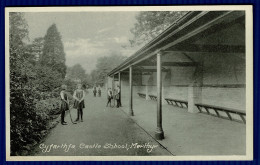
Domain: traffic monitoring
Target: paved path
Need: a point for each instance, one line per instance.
(102, 127)
(188, 133)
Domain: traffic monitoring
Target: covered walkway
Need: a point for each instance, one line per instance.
(190, 134)
(200, 61)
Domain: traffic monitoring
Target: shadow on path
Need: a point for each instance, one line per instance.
(105, 131)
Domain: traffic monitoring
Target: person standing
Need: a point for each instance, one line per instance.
(99, 92)
(117, 96)
(95, 91)
(85, 89)
(64, 103)
(79, 104)
(109, 96)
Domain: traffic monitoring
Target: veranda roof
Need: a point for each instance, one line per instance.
(193, 25)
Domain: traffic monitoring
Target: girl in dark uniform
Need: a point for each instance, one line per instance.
(64, 103)
(79, 104)
(95, 91)
(99, 92)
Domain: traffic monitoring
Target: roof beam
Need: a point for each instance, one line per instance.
(179, 63)
(210, 27)
(154, 70)
(206, 23)
(147, 70)
(171, 64)
(139, 73)
(195, 48)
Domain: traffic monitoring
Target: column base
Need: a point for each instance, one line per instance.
(193, 109)
(159, 135)
(131, 113)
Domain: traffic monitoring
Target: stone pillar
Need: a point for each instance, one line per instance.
(146, 93)
(131, 112)
(195, 89)
(159, 134)
(119, 84)
(194, 96)
(145, 80)
(113, 89)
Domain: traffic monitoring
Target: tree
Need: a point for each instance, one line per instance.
(47, 79)
(104, 66)
(53, 54)
(49, 54)
(23, 117)
(37, 48)
(76, 72)
(152, 23)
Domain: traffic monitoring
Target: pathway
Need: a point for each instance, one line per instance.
(105, 131)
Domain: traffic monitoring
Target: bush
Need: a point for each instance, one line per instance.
(30, 121)
(49, 106)
(46, 95)
(30, 88)
(47, 79)
(25, 122)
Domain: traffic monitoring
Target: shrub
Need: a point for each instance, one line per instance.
(30, 121)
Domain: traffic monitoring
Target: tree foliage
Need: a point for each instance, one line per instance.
(53, 54)
(52, 69)
(151, 23)
(104, 66)
(28, 122)
(76, 72)
(47, 79)
(25, 123)
(37, 48)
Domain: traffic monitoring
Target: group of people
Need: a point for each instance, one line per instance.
(79, 104)
(114, 95)
(95, 91)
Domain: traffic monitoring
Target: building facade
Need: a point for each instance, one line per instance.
(200, 60)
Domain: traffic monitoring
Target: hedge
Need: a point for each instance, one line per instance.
(30, 125)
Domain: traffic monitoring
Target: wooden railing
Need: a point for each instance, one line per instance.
(142, 95)
(178, 103)
(204, 108)
(153, 97)
(217, 109)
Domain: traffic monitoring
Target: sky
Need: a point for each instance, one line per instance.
(86, 35)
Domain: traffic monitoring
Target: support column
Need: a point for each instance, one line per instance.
(194, 96)
(131, 112)
(146, 83)
(146, 92)
(163, 88)
(119, 84)
(113, 89)
(163, 101)
(159, 134)
(195, 90)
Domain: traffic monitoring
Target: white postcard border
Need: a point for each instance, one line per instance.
(249, 81)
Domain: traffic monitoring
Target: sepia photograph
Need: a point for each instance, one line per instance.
(129, 83)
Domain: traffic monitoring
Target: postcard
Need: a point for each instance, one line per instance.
(129, 83)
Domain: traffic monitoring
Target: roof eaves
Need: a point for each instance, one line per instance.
(149, 44)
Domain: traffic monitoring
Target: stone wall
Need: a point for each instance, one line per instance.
(223, 81)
